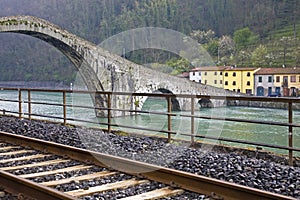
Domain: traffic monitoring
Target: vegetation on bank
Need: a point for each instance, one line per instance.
(244, 33)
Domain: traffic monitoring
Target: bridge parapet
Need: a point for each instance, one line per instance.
(104, 71)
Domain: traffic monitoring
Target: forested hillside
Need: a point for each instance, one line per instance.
(236, 32)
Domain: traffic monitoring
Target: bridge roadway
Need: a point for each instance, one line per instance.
(104, 71)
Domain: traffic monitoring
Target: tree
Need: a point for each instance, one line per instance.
(296, 56)
(212, 47)
(226, 48)
(179, 65)
(203, 37)
(243, 38)
(243, 58)
(286, 43)
(259, 56)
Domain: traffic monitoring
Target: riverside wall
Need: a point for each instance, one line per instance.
(259, 104)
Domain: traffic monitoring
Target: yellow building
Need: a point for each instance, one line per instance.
(208, 75)
(239, 79)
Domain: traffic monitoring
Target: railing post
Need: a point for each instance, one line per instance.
(192, 120)
(65, 107)
(290, 133)
(29, 104)
(169, 117)
(20, 103)
(109, 113)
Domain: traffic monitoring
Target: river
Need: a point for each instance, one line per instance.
(276, 135)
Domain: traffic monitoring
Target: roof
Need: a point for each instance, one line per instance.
(210, 68)
(272, 71)
(241, 69)
(222, 68)
(183, 75)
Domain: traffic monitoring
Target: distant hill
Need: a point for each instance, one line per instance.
(25, 58)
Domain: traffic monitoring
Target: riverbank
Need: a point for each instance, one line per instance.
(271, 175)
(263, 104)
(34, 84)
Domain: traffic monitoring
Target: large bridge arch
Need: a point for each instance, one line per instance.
(70, 45)
(80, 52)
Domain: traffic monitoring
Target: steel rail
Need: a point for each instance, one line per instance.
(184, 180)
(27, 189)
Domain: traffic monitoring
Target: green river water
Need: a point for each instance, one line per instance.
(275, 135)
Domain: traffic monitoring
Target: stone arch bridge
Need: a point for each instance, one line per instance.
(103, 71)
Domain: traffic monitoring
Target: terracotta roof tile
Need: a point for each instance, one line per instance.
(210, 68)
(241, 69)
(272, 71)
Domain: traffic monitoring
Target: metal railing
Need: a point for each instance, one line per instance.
(170, 114)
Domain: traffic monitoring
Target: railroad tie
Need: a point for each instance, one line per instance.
(39, 164)
(106, 187)
(79, 178)
(23, 158)
(46, 173)
(16, 152)
(155, 194)
(8, 148)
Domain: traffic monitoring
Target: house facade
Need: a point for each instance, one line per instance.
(239, 79)
(281, 81)
(208, 75)
(264, 83)
(195, 76)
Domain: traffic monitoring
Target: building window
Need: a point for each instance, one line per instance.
(248, 74)
(277, 79)
(216, 73)
(216, 82)
(239, 90)
(270, 79)
(193, 73)
(234, 74)
(233, 83)
(205, 73)
(248, 83)
(260, 79)
(205, 82)
(226, 82)
(293, 79)
(226, 74)
(221, 73)
(221, 82)
(234, 90)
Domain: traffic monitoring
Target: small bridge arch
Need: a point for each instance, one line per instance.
(175, 105)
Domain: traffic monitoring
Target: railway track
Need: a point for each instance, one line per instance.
(36, 169)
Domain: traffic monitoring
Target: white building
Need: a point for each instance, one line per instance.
(195, 76)
(264, 82)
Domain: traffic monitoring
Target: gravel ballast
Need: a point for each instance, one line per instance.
(233, 167)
